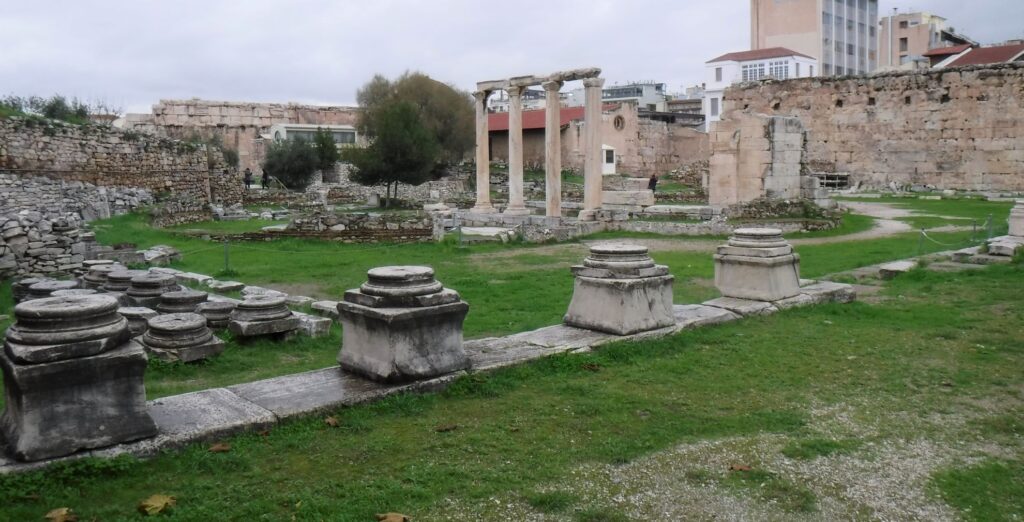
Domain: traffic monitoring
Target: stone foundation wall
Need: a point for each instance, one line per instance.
(957, 128)
(239, 125)
(97, 171)
(453, 187)
(35, 242)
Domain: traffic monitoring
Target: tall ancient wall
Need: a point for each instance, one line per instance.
(238, 124)
(953, 128)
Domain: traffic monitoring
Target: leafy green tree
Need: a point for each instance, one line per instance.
(446, 112)
(291, 161)
(402, 151)
(326, 150)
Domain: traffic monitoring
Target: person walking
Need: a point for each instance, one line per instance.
(248, 178)
(265, 180)
(652, 183)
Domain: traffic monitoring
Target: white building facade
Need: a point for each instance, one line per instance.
(778, 63)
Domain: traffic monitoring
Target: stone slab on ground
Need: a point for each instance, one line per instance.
(192, 277)
(827, 291)
(694, 316)
(952, 266)
(891, 270)
(205, 415)
(225, 286)
(488, 234)
(314, 326)
(1005, 245)
(322, 390)
(325, 309)
(744, 307)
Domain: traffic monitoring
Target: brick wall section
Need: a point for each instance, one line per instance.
(953, 128)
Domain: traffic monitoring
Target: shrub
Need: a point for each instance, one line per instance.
(292, 162)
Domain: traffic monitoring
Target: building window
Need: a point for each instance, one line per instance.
(903, 24)
(609, 157)
(849, 25)
(871, 31)
(714, 106)
(797, 69)
(754, 71)
(718, 74)
(839, 47)
(839, 70)
(826, 18)
(903, 45)
(779, 69)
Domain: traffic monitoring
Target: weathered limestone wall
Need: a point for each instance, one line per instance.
(238, 124)
(642, 147)
(34, 242)
(98, 171)
(755, 156)
(952, 128)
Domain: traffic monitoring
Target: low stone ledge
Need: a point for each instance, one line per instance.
(743, 307)
(327, 389)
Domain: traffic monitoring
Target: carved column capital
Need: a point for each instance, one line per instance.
(481, 96)
(593, 82)
(515, 91)
(552, 85)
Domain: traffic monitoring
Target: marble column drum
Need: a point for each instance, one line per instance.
(138, 318)
(73, 378)
(146, 289)
(47, 288)
(181, 301)
(180, 337)
(96, 277)
(121, 280)
(73, 291)
(402, 325)
(619, 290)
(263, 315)
(757, 264)
(217, 313)
(19, 289)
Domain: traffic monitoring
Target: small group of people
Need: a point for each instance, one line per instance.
(264, 181)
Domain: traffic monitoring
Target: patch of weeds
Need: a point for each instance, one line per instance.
(601, 515)
(992, 490)
(813, 448)
(227, 272)
(551, 501)
(699, 477)
(772, 488)
(1010, 424)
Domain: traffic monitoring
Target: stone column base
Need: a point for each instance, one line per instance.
(402, 344)
(758, 278)
(587, 215)
(483, 209)
(621, 306)
(61, 407)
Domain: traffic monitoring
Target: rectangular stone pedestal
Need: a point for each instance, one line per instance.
(402, 344)
(758, 278)
(621, 306)
(58, 408)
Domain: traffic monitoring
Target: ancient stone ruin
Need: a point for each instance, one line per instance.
(147, 288)
(217, 313)
(402, 325)
(180, 337)
(138, 318)
(263, 316)
(181, 301)
(620, 290)
(46, 288)
(757, 264)
(73, 378)
(552, 149)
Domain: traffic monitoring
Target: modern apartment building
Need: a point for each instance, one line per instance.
(905, 38)
(840, 34)
(777, 62)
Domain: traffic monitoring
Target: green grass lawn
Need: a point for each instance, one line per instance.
(942, 348)
(963, 212)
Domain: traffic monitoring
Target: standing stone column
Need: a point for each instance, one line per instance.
(483, 155)
(592, 180)
(516, 204)
(1016, 219)
(552, 148)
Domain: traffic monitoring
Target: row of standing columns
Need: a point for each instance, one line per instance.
(552, 150)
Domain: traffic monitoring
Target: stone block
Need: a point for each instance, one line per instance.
(397, 338)
(624, 293)
(263, 315)
(1016, 219)
(314, 326)
(138, 318)
(891, 270)
(743, 307)
(72, 378)
(325, 308)
(225, 286)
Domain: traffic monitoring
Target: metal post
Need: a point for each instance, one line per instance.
(227, 268)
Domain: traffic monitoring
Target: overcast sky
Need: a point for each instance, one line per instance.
(132, 53)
